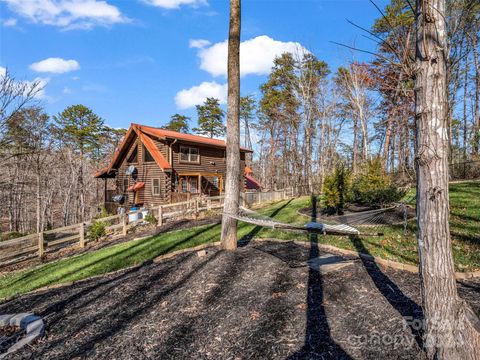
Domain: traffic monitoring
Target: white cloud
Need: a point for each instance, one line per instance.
(10, 22)
(69, 14)
(196, 95)
(198, 43)
(55, 65)
(67, 90)
(42, 83)
(175, 4)
(256, 55)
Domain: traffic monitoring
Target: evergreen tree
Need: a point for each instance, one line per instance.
(81, 129)
(210, 119)
(248, 107)
(178, 123)
(279, 115)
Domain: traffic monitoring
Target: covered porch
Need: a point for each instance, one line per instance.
(193, 184)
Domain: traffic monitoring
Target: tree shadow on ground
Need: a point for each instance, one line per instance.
(405, 306)
(121, 311)
(318, 341)
(245, 240)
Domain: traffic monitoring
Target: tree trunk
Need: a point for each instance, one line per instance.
(476, 138)
(232, 188)
(448, 332)
(465, 118)
(354, 156)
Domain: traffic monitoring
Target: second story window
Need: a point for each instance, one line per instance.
(189, 154)
(147, 157)
(133, 158)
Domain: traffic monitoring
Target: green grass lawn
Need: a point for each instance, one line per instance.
(394, 245)
(135, 252)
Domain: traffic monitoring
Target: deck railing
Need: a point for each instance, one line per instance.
(38, 245)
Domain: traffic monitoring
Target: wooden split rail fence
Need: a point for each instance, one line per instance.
(37, 245)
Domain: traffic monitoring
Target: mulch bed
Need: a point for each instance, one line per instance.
(261, 301)
(142, 231)
(8, 330)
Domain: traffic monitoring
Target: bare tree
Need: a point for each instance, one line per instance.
(449, 323)
(232, 188)
(15, 95)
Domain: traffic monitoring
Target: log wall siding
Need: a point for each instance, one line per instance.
(147, 171)
(207, 156)
(212, 161)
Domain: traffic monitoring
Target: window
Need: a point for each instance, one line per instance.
(147, 157)
(189, 184)
(189, 154)
(133, 158)
(193, 185)
(184, 183)
(156, 187)
(125, 185)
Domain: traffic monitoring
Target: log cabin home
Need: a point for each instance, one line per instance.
(154, 166)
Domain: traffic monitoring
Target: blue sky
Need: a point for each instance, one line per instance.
(135, 61)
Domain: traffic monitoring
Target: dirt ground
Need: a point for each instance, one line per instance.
(262, 301)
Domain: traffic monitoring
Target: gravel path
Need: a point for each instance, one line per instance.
(260, 302)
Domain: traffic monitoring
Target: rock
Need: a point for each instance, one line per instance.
(5, 319)
(33, 326)
(328, 263)
(21, 319)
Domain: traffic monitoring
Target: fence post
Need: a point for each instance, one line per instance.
(209, 204)
(195, 209)
(41, 248)
(124, 223)
(82, 235)
(160, 215)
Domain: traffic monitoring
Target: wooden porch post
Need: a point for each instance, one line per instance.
(105, 192)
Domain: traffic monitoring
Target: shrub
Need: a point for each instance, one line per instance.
(150, 218)
(374, 187)
(336, 189)
(97, 230)
(103, 214)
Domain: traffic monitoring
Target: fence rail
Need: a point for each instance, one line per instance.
(37, 245)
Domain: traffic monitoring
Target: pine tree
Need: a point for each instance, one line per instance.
(451, 326)
(178, 123)
(82, 130)
(210, 119)
(247, 112)
(234, 173)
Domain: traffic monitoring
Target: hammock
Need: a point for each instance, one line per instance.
(342, 225)
(252, 217)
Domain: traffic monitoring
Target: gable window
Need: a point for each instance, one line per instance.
(147, 157)
(156, 187)
(189, 154)
(133, 158)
